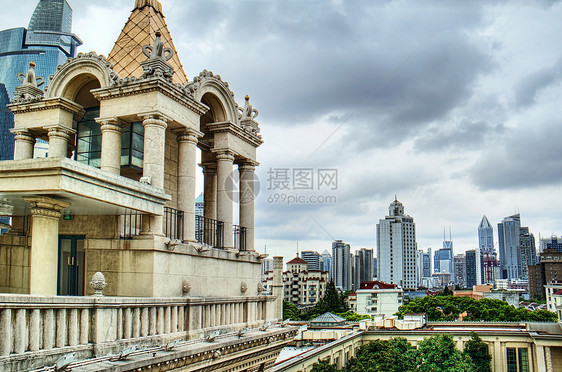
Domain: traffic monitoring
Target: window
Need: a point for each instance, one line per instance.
(517, 360)
(88, 139)
(132, 146)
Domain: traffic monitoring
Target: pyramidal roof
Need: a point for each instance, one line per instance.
(298, 260)
(145, 19)
(485, 223)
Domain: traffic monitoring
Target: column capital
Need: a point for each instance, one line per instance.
(209, 167)
(60, 131)
(23, 134)
(154, 119)
(248, 165)
(224, 155)
(111, 124)
(45, 206)
(189, 135)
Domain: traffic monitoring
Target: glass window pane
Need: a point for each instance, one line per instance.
(511, 360)
(523, 360)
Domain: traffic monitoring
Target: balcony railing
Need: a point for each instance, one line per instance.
(173, 223)
(130, 225)
(239, 237)
(209, 231)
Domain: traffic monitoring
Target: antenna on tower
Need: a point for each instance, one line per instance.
(297, 249)
(265, 248)
(450, 236)
(444, 237)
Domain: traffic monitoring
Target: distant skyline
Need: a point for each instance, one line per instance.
(452, 106)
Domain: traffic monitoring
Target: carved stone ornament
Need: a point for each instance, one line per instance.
(29, 90)
(156, 64)
(260, 287)
(98, 284)
(248, 116)
(243, 287)
(185, 286)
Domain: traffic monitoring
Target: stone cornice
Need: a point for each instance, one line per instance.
(235, 130)
(142, 86)
(47, 104)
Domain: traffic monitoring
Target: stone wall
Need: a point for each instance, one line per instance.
(14, 264)
(171, 169)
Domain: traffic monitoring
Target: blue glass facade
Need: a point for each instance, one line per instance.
(6, 122)
(48, 42)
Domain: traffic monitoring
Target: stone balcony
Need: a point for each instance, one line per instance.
(89, 190)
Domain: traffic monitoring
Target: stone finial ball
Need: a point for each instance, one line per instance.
(247, 97)
(157, 33)
(32, 64)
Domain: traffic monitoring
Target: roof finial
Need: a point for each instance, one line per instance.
(29, 88)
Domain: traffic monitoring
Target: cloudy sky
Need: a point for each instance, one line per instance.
(455, 107)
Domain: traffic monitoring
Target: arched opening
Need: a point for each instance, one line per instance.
(88, 134)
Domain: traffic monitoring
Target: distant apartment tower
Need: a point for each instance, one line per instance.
(397, 248)
(547, 272)
(327, 263)
(460, 270)
(363, 267)
(554, 242)
(199, 205)
(471, 265)
(487, 259)
(314, 260)
(341, 265)
(528, 251)
(424, 265)
(47, 42)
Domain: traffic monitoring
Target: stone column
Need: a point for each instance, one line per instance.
(111, 132)
(225, 160)
(210, 191)
(153, 164)
(58, 141)
(24, 144)
(187, 165)
(45, 214)
(247, 197)
(277, 286)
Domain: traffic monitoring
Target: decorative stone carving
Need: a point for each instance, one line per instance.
(29, 90)
(156, 64)
(185, 286)
(260, 287)
(248, 116)
(243, 287)
(205, 75)
(98, 284)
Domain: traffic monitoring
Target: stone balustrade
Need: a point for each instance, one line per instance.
(50, 326)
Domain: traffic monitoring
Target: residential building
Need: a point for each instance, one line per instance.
(375, 274)
(486, 257)
(119, 214)
(342, 265)
(471, 268)
(554, 242)
(528, 251)
(314, 260)
(550, 290)
(363, 266)
(48, 41)
(547, 271)
(460, 270)
(327, 263)
(378, 298)
(397, 248)
(200, 205)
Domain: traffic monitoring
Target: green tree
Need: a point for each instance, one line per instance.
(477, 351)
(330, 302)
(396, 355)
(438, 353)
(324, 366)
(291, 311)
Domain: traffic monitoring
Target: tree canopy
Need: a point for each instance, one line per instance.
(449, 307)
(331, 302)
(478, 353)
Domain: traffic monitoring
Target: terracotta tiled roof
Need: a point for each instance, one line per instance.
(297, 260)
(558, 292)
(144, 21)
(376, 284)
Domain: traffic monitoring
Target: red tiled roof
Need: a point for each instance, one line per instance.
(376, 284)
(558, 292)
(297, 260)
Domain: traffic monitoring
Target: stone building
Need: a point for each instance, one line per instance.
(113, 205)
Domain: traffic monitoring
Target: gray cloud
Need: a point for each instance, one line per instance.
(532, 84)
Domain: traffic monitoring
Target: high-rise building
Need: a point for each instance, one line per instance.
(528, 251)
(443, 261)
(199, 205)
(327, 263)
(47, 42)
(460, 270)
(509, 247)
(554, 242)
(548, 271)
(375, 267)
(341, 265)
(314, 260)
(486, 255)
(424, 265)
(397, 248)
(363, 267)
(471, 268)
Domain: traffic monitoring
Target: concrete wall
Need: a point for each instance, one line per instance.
(14, 264)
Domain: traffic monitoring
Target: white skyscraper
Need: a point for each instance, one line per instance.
(397, 248)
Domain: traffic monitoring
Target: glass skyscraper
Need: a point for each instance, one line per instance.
(47, 41)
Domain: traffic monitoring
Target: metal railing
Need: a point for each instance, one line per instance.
(209, 231)
(130, 225)
(239, 237)
(173, 223)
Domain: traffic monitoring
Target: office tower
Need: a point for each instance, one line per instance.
(375, 267)
(547, 272)
(47, 42)
(363, 267)
(443, 259)
(528, 251)
(509, 247)
(199, 205)
(327, 263)
(424, 265)
(486, 253)
(314, 260)
(471, 268)
(397, 248)
(460, 270)
(341, 265)
(554, 242)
